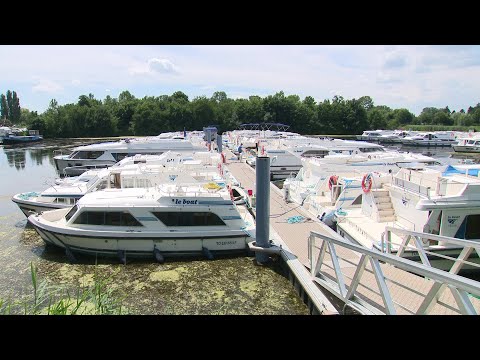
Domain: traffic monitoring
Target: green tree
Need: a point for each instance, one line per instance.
(3, 107)
(442, 118)
(366, 102)
(219, 96)
(9, 105)
(377, 119)
(15, 110)
(179, 96)
(203, 112)
(403, 116)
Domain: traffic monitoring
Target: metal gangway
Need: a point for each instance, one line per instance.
(372, 282)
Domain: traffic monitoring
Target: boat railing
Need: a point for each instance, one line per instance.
(411, 186)
(69, 169)
(402, 218)
(371, 282)
(190, 193)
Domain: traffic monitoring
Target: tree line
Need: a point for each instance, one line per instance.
(151, 115)
(10, 111)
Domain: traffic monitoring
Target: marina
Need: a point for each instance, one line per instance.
(328, 273)
(347, 263)
(227, 285)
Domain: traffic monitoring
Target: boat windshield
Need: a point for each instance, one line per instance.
(72, 211)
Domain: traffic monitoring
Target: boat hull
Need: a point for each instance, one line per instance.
(143, 244)
(466, 149)
(12, 140)
(29, 207)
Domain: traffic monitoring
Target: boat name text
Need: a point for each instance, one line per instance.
(185, 202)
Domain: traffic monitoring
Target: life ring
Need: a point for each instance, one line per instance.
(367, 183)
(332, 181)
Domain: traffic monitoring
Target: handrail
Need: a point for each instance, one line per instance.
(460, 287)
(461, 242)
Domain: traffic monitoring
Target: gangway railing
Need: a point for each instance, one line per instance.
(422, 240)
(396, 296)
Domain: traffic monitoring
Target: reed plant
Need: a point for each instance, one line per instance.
(98, 299)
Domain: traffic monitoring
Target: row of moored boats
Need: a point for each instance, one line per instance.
(459, 141)
(172, 194)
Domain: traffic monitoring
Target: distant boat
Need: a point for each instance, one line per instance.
(12, 139)
(469, 144)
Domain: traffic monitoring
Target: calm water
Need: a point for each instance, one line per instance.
(224, 286)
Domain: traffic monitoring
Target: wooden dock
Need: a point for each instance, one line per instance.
(410, 290)
(292, 237)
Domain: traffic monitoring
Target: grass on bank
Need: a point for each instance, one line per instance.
(45, 299)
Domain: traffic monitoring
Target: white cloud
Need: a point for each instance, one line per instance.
(75, 82)
(154, 66)
(163, 66)
(45, 85)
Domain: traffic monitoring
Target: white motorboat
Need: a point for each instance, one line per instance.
(109, 153)
(470, 144)
(373, 135)
(326, 185)
(286, 159)
(424, 201)
(170, 219)
(430, 139)
(138, 171)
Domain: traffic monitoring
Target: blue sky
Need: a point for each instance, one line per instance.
(410, 76)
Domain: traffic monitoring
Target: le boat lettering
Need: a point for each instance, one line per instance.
(185, 202)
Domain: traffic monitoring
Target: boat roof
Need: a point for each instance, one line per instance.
(152, 196)
(143, 143)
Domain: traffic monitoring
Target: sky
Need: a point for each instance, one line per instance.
(399, 76)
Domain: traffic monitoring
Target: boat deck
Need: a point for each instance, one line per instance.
(406, 288)
(354, 224)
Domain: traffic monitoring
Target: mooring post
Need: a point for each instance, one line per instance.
(219, 143)
(262, 169)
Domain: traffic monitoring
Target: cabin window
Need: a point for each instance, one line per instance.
(472, 230)
(188, 218)
(72, 211)
(102, 185)
(315, 153)
(128, 183)
(110, 218)
(143, 183)
(120, 156)
(87, 154)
